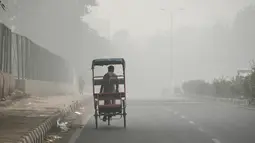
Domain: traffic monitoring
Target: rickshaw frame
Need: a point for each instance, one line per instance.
(110, 109)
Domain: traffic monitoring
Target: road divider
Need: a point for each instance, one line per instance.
(225, 100)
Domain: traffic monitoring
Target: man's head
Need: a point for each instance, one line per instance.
(110, 68)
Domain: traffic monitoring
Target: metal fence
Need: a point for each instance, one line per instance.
(5, 51)
(26, 60)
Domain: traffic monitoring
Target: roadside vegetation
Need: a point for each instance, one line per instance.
(235, 87)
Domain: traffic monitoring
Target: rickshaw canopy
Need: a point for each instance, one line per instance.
(108, 61)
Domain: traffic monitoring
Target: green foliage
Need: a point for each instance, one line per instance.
(249, 82)
(220, 87)
(198, 87)
(246, 86)
(177, 90)
(57, 25)
(237, 86)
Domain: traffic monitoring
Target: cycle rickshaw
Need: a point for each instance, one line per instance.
(109, 110)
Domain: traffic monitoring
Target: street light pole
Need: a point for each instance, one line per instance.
(171, 47)
(171, 51)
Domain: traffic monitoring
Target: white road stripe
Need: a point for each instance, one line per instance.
(215, 141)
(169, 110)
(191, 122)
(183, 117)
(176, 113)
(200, 129)
(78, 131)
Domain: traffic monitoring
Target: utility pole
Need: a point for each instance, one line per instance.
(171, 52)
(171, 48)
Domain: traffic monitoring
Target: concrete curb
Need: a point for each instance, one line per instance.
(37, 134)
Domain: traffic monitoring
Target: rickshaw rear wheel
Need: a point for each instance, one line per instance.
(124, 113)
(125, 121)
(124, 118)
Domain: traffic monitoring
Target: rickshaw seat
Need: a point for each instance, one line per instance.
(110, 106)
(99, 81)
(109, 96)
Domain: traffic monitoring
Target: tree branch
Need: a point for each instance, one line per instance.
(2, 5)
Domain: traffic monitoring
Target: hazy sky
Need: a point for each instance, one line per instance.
(145, 17)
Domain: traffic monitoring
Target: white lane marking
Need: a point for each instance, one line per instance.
(200, 129)
(215, 141)
(169, 110)
(176, 112)
(183, 117)
(191, 122)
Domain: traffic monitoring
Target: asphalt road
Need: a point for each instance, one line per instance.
(175, 121)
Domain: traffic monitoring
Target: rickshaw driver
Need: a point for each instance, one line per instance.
(108, 85)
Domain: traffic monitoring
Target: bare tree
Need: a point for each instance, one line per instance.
(2, 5)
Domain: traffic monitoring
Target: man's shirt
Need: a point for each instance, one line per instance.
(109, 82)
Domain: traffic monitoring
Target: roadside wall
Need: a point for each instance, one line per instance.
(7, 85)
